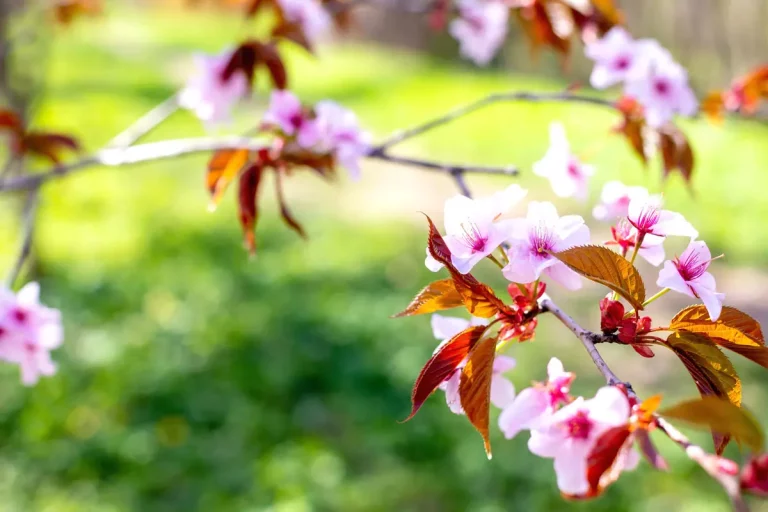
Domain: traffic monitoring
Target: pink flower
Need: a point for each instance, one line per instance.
(533, 238)
(340, 134)
(472, 232)
(28, 332)
(533, 405)
(617, 57)
(502, 390)
(288, 114)
(646, 215)
(688, 275)
(569, 435)
(625, 235)
(615, 199)
(480, 29)
(662, 88)
(310, 15)
(207, 94)
(567, 175)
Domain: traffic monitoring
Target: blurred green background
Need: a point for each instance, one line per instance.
(194, 378)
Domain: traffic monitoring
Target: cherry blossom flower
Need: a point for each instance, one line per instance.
(340, 134)
(502, 390)
(288, 114)
(566, 174)
(533, 405)
(625, 235)
(646, 215)
(688, 275)
(615, 199)
(533, 238)
(617, 57)
(472, 230)
(569, 435)
(310, 15)
(28, 332)
(207, 94)
(480, 29)
(662, 88)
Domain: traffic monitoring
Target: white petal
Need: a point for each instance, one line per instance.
(653, 254)
(431, 263)
(546, 444)
(571, 469)
(458, 211)
(610, 407)
(674, 224)
(523, 412)
(502, 391)
(29, 295)
(446, 327)
(564, 276)
(555, 369)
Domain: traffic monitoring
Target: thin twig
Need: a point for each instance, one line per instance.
(146, 123)
(441, 166)
(469, 108)
(115, 157)
(29, 215)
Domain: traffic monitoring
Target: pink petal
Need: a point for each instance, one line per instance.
(29, 295)
(564, 276)
(555, 369)
(524, 412)
(503, 364)
(431, 263)
(571, 468)
(547, 443)
(674, 224)
(669, 277)
(653, 254)
(452, 397)
(704, 287)
(446, 327)
(502, 391)
(610, 407)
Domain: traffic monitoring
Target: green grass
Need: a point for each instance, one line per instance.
(194, 378)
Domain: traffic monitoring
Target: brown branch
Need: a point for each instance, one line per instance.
(378, 154)
(28, 215)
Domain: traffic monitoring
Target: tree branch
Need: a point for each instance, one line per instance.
(28, 215)
(378, 154)
(146, 123)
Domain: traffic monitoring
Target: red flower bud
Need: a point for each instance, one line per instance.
(611, 315)
(754, 476)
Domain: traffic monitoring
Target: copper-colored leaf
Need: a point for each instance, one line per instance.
(248, 205)
(292, 32)
(602, 265)
(224, 166)
(442, 364)
(475, 388)
(9, 120)
(676, 152)
(250, 55)
(478, 298)
(285, 213)
(539, 29)
(711, 370)
(436, 296)
(720, 416)
(603, 458)
(48, 145)
(632, 125)
(270, 57)
(713, 106)
(751, 89)
(66, 11)
(734, 330)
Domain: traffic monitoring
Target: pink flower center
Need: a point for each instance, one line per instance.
(30, 347)
(558, 390)
(579, 425)
(473, 238)
(622, 63)
(648, 218)
(574, 170)
(475, 21)
(542, 239)
(691, 267)
(662, 87)
(20, 315)
(296, 120)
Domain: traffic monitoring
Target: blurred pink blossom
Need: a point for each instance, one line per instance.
(566, 174)
(206, 93)
(480, 28)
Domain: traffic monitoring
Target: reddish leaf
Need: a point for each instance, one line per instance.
(711, 370)
(247, 202)
(632, 125)
(270, 57)
(734, 330)
(48, 145)
(603, 458)
(676, 152)
(539, 29)
(436, 296)
(602, 265)
(479, 299)
(292, 32)
(720, 416)
(649, 451)
(475, 388)
(442, 364)
(223, 167)
(66, 11)
(250, 55)
(285, 213)
(11, 121)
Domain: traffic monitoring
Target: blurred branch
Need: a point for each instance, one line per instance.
(115, 157)
(28, 216)
(379, 154)
(145, 123)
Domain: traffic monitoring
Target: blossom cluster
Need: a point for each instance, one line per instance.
(562, 427)
(29, 331)
(475, 229)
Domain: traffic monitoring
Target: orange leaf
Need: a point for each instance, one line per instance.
(442, 364)
(720, 416)
(436, 296)
(734, 330)
(713, 106)
(247, 204)
(676, 152)
(602, 469)
(752, 88)
(475, 388)
(711, 370)
(224, 166)
(478, 298)
(604, 266)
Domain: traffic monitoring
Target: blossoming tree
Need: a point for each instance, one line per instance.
(592, 441)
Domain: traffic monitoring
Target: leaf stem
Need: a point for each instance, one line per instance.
(658, 295)
(496, 261)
